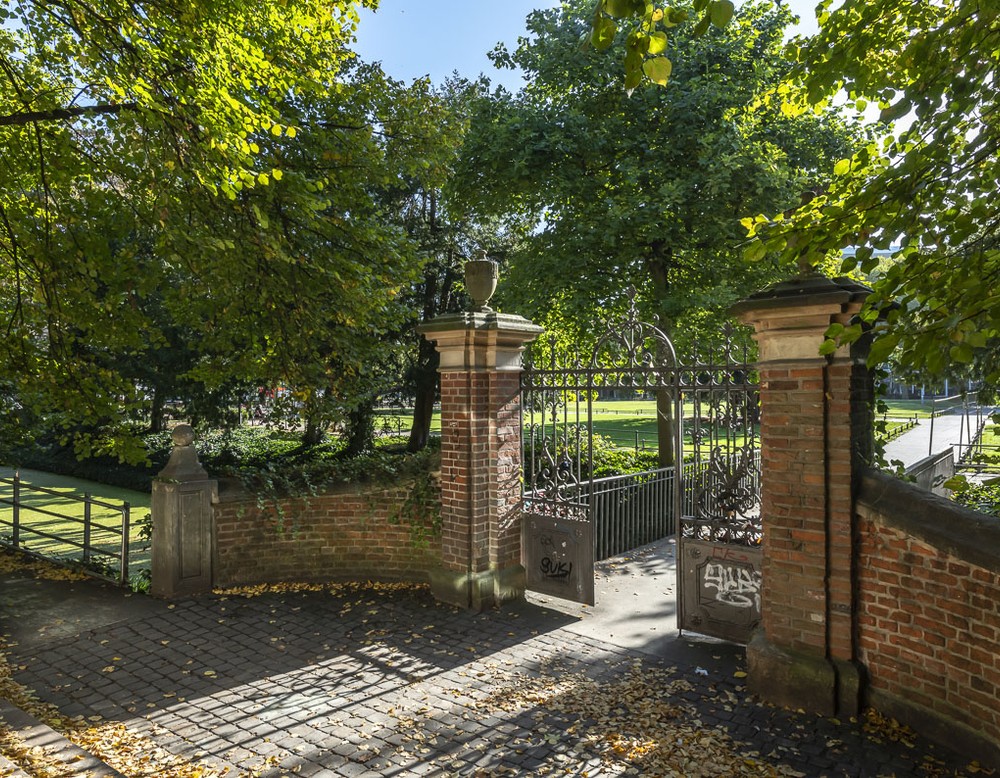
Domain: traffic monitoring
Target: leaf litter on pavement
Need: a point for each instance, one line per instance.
(635, 722)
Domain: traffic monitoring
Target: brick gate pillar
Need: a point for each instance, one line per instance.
(480, 456)
(816, 429)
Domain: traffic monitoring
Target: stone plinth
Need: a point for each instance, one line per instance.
(182, 500)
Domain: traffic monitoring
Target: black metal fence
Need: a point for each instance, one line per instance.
(42, 522)
(630, 510)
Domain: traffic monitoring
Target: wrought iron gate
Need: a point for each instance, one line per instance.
(707, 414)
(719, 533)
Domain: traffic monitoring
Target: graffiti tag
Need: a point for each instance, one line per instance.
(552, 569)
(736, 586)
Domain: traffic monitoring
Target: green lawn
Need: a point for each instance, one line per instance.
(69, 521)
(908, 408)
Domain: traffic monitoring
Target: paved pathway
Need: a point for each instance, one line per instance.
(950, 429)
(392, 683)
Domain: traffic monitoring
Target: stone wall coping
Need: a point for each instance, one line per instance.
(930, 461)
(959, 531)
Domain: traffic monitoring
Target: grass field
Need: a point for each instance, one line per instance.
(922, 410)
(37, 509)
(632, 423)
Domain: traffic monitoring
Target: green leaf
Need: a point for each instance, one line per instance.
(842, 168)
(633, 77)
(657, 42)
(895, 111)
(961, 352)
(851, 334)
(677, 16)
(827, 347)
(618, 8)
(657, 70)
(702, 26)
(604, 33)
(956, 482)
(882, 348)
(833, 330)
(722, 12)
(755, 252)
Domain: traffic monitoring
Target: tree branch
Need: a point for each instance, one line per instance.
(63, 114)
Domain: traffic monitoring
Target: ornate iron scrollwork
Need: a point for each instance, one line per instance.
(731, 484)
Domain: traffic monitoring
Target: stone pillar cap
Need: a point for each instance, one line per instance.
(480, 320)
(809, 289)
(480, 340)
(183, 464)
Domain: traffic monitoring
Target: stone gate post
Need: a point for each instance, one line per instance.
(816, 429)
(183, 495)
(480, 456)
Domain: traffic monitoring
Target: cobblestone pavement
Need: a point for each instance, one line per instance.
(391, 683)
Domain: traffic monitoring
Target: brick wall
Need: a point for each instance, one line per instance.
(929, 613)
(343, 535)
(506, 528)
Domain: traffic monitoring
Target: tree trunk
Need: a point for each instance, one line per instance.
(665, 430)
(658, 264)
(360, 431)
(425, 393)
(156, 411)
(313, 434)
(315, 428)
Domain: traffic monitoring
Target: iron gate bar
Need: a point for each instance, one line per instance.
(631, 510)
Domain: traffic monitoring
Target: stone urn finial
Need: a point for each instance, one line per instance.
(481, 281)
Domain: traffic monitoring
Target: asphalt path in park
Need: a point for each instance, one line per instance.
(388, 682)
(948, 430)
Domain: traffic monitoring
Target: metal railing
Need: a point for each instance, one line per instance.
(966, 434)
(632, 510)
(100, 543)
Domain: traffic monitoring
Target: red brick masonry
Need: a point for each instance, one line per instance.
(929, 612)
(344, 535)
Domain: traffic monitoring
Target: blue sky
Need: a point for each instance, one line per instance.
(414, 38)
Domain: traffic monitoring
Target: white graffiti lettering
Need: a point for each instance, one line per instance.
(736, 586)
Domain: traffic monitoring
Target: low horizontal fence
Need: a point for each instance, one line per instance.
(894, 427)
(99, 539)
(632, 510)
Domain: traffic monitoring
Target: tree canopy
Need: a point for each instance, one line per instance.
(645, 189)
(925, 193)
(189, 192)
(928, 192)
